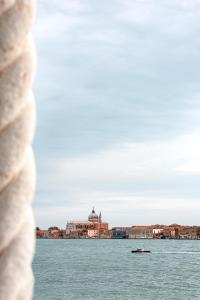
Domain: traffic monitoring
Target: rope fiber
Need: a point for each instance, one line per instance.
(17, 171)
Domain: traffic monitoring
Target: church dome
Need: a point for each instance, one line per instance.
(93, 217)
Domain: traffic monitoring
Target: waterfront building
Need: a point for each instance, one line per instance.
(93, 233)
(95, 228)
(168, 232)
(78, 226)
(91, 228)
(146, 232)
(42, 234)
(120, 232)
(188, 232)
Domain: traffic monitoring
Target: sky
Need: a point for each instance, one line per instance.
(118, 101)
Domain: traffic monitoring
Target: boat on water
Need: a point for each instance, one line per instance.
(139, 250)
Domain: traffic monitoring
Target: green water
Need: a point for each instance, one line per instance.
(106, 269)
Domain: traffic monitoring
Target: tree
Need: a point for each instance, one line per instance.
(53, 228)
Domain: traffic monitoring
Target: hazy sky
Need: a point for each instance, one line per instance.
(118, 100)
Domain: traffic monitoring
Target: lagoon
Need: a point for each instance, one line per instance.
(107, 270)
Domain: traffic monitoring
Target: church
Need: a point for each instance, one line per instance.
(94, 227)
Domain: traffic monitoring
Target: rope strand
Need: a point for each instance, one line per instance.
(17, 171)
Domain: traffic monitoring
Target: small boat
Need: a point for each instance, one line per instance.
(140, 251)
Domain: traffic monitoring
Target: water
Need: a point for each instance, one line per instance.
(106, 269)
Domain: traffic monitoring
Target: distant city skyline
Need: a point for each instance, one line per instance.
(97, 216)
(117, 92)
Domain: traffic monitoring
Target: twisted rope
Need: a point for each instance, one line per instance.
(17, 174)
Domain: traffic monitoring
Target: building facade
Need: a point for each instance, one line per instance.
(120, 232)
(91, 228)
(144, 232)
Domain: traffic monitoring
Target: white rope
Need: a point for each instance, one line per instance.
(17, 174)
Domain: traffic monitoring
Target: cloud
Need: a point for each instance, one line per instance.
(55, 20)
(54, 25)
(134, 160)
(105, 81)
(166, 17)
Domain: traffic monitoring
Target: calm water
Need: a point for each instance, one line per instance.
(106, 269)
